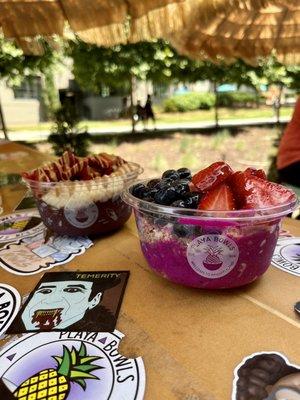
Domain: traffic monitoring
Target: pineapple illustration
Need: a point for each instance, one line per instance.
(54, 384)
(212, 260)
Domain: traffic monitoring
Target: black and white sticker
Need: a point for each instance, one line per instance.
(10, 301)
(287, 255)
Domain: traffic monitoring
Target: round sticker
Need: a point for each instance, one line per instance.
(82, 217)
(10, 301)
(19, 226)
(71, 366)
(212, 256)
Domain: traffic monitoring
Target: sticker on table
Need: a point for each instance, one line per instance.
(27, 203)
(71, 366)
(41, 252)
(10, 301)
(18, 226)
(73, 301)
(287, 255)
(266, 376)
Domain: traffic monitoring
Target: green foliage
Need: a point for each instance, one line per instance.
(66, 134)
(50, 94)
(15, 65)
(189, 102)
(94, 67)
(236, 99)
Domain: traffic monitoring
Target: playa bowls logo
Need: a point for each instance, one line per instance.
(71, 366)
(212, 256)
(83, 217)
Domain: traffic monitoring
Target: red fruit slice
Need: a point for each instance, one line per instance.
(259, 173)
(252, 192)
(237, 183)
(212, 176)
(219, 199)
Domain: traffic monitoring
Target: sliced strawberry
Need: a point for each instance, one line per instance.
(219, 199)
(212, 176)
(237, 183)
(266, 194)
(252, 192)
(259, 173)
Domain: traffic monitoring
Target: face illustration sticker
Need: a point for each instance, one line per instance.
(266, 376)
(74, 302)
(71, 366)
(41, 252)
(287, 255)
(14, 227)
(10, 301)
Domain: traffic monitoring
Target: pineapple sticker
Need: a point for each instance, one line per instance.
(70, 366)
(55, 384)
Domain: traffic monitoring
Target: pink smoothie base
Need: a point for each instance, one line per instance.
(169, 259)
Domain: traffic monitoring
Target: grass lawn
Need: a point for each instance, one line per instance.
(169, 118)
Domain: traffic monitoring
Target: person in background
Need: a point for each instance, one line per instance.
(288, 159)
(140, 113)
(149, 113)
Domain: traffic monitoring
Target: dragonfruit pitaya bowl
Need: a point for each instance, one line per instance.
(82, 196)
(202, 248)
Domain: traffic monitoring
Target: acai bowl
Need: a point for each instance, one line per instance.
(190, 244)
(82, 196)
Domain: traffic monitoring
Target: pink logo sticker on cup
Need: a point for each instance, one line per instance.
(212, 256)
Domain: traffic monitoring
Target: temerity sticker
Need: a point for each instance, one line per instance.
(71, 366)
(73, 301)
(266, 376)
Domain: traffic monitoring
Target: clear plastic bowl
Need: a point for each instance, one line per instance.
(207, 249)
(78, 208)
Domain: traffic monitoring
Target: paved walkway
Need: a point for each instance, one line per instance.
(40, 136)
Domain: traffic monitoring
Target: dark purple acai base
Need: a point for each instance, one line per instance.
(95, 219)
(165, 247)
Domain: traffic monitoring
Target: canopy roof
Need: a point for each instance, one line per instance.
(199, 28)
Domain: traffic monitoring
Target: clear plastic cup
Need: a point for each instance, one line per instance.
(207, 249)
(78, 208)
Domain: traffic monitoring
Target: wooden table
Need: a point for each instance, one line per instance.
(190, 340)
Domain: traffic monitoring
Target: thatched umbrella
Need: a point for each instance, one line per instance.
(245, 31)
(199, 28)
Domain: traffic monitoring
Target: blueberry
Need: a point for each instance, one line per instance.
(152, 192)
(182, 187)
(182, 230)
(178, 203)
(164, 183)
(184, 173)
(171, 174)
(139, 190)
(192, 200)
(165, 196)
(153, 183)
